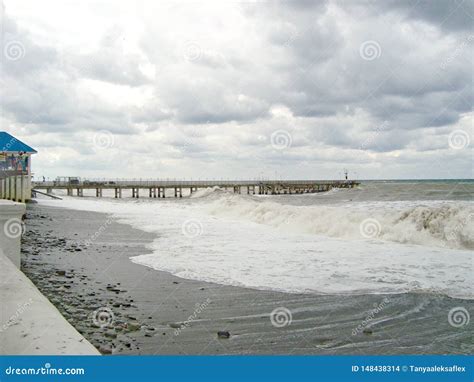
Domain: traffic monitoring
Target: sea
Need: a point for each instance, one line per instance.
(382, 237)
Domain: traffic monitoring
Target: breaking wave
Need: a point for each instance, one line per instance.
(430, 224)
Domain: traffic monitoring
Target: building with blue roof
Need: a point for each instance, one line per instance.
(10, 144)
(15, 168)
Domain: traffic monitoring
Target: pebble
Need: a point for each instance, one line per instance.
(223, 334)
(133, 326)
(105, 349)
(110, 334)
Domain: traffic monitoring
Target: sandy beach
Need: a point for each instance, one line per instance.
(80, 261)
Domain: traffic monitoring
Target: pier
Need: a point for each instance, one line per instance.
(174, 188)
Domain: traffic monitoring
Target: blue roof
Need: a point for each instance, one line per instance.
(8, 143)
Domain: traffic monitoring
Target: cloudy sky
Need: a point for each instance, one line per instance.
(220, 89)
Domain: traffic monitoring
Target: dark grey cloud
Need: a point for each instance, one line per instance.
(450, 15)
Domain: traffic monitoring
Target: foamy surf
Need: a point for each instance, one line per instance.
(441, 224)
(258, 243)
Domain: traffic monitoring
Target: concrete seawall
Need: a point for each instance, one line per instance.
(29, 323)
(11, 228)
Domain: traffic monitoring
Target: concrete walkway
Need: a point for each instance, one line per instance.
(29, 323)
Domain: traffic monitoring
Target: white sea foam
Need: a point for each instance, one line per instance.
(443, 224)
(260, 243)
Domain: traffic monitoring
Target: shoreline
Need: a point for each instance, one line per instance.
(83, 268)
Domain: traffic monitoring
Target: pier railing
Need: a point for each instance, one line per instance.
(145, 183)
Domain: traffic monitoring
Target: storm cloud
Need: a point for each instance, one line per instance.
(212, 89)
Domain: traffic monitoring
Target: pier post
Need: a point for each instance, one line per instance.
(22, 186)
(180, 192)
(7, 188)
(12, 188)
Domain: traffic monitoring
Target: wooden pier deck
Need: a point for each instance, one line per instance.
(162, 188)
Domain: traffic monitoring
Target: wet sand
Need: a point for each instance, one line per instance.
(80, 261)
